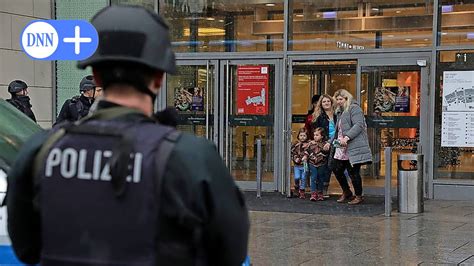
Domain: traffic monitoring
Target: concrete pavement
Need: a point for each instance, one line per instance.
(443, 234)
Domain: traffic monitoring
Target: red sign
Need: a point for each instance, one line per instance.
(252, 90)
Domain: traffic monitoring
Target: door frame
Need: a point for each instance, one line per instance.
(162, 95)
(365, 60)
(224, 86)
(423, 63)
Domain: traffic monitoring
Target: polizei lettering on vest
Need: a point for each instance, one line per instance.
(73, 163)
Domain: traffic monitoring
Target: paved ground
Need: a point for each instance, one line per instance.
(443, 234)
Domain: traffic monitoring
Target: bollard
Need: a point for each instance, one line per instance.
(288, 187)
(388, 181)
(244, 144)
(259, 168)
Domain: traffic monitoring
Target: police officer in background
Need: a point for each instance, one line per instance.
(117, 187)
(78, 106)
(19, 98)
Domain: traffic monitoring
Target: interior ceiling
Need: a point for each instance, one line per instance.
(353, 3)
(199, 5)
(214, 7)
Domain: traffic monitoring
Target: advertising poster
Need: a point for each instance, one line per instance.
(189, 99)
(402, 100)
(392, 98)
(457, 128)
(252, 90)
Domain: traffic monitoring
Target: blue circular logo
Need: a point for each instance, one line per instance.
(59, 39)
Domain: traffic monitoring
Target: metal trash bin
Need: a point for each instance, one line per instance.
(410, 183)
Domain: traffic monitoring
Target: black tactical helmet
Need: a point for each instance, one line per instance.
(17, 86)
(132, 34)
(87, 83)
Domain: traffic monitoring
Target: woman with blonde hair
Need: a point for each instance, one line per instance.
(324, 116)
(352, 146)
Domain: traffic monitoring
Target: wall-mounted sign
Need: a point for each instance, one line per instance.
(252, 90)
(465, 57)
(458, 109)
(349, 46)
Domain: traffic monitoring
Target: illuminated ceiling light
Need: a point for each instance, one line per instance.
(210, 19)
(391, 36)
(270, 5)
(206, 32)
(375, 9)
(300, 15)
(426, 39)
(221, 20)
(330, 14)
(447, 8)
(444, 33)
(398, 11)
(408, 39)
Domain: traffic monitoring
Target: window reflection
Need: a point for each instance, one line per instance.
(457, 22)
(224, 26)
(452, 162)
(355, 25)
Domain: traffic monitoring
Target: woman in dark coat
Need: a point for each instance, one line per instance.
(308, 124)
(325, 117)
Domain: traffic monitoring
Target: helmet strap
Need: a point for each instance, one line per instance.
(146, 90)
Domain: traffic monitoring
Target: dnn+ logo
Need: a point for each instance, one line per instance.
(59, 39)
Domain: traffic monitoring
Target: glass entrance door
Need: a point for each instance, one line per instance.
(391, 97)
(307, 79)
(318, 77)
(247, 113)
(191, 91)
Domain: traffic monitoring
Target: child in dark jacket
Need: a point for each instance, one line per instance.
(317, 158)
(297, 155)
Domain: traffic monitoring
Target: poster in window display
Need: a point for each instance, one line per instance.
(252, 90)
(392, 98)
(189, 99)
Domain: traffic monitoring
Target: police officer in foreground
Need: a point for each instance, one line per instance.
(117, 187)
(78, 106)
(20, 99)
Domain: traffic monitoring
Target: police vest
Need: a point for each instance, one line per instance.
(77, 108)
(97, 192)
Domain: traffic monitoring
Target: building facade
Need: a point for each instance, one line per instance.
(248, 69)
(15, 64)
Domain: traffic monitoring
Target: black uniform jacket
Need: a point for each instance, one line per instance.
(74, 109)
(23, 104)
(196, 182)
